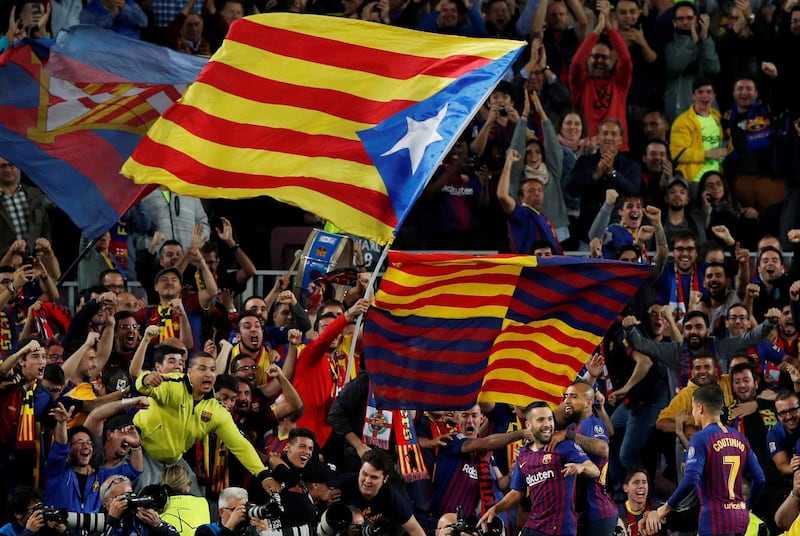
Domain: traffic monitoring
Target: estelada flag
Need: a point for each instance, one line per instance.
(344, 118)
(449, 330)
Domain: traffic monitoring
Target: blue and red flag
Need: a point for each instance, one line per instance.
(72, 111)
(449, 330)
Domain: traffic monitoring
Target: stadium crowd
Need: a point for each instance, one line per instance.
(660, 133)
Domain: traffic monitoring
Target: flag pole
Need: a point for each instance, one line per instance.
(367, 295)
(74, 263)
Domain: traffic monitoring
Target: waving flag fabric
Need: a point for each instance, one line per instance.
(72, 113)
(447, 330)
(345, 118)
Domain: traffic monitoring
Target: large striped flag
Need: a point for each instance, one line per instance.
(447, 330)
(72, 111)
(344, 118)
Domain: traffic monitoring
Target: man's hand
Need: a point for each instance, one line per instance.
(611, 196)
(794, 291)
(794, 463)
(226, 233)
(295, 336)
(117, 506)
(742, 254)
(596, 248)
(35, 521)
(60, 413)
(198, 240)
(773, 314)
(794, 234)
(91, 338)
(153, 379)
(594, 365)
(653, 214)
(705, 23)
(630, 321)
(572, 469)
(557, 438)
(148, 517)
(646, 232)
(210, 348)
(287, 296)
(723, 233)
(753, 290)
(512, 155)
(176, 306)
(151, 332)
(239, 514)
(359, 308)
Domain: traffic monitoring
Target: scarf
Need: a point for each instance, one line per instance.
(26, 426)
(167, 328)
(378, 427)
(210, 471)
(685, 361)
(547, 230)
(678, 300)
(756, 126)
(575, 146)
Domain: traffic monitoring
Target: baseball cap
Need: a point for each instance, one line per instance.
(164, 271)
(117, 422)
(318, 472)
(678, 178)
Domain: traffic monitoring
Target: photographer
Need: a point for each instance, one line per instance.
(123, 520)
(24, 510)
(370, 492)
(233, 516)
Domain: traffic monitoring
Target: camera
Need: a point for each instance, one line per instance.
(335, 520)
(503, 111)
(95, 522)
(620, 531)
(272, 509)
(494, 528)
(152, 497)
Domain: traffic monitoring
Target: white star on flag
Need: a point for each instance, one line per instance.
(419, 136)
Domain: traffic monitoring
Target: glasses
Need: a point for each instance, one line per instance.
(681, 249)
(737, 317)
(82, 442)
(247, 367)
(131, 327)
(789, 411)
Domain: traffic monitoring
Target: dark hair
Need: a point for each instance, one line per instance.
(326, 315)
(737, 304)
(716, 265)
(703, 355)
(112, 377)
(630, 473)
(191, 360)
(769, 248)
(627, 247)
(701, 81)
(110, 271)
(303, 432)
(226, 381)
(541, 244)
(613, 121)
(710, 396)
(696, 314)
(210, 247)
(7, 270)
(579, 113)
(683, 235)
(246, 314)
(122, 315)
(741, 367)
(327, 303)
(236, 360)
(166, 243)
(24, 342)
(726, 197)
(19, 500)
(785, 394)
(657, 142)
(54, 373)
(75, 429)
(504, 87)
(684, 3)
(379, 459)
(537, 404)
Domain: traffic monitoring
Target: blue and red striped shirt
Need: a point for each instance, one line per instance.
(717, 458)
(552, 494)
(455, 481)
(600, 506)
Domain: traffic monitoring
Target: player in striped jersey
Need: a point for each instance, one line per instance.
(716, 459)
(549, 475)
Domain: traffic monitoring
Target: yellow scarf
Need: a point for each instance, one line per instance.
(167, 329)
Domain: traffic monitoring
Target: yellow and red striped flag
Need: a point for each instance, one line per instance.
(344, 118)
(447, 330)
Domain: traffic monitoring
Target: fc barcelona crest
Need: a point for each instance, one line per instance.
(205, 416)
(547, 458)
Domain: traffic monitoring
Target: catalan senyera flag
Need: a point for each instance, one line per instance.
(449, 330)
(72, 110)
(344, 118)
